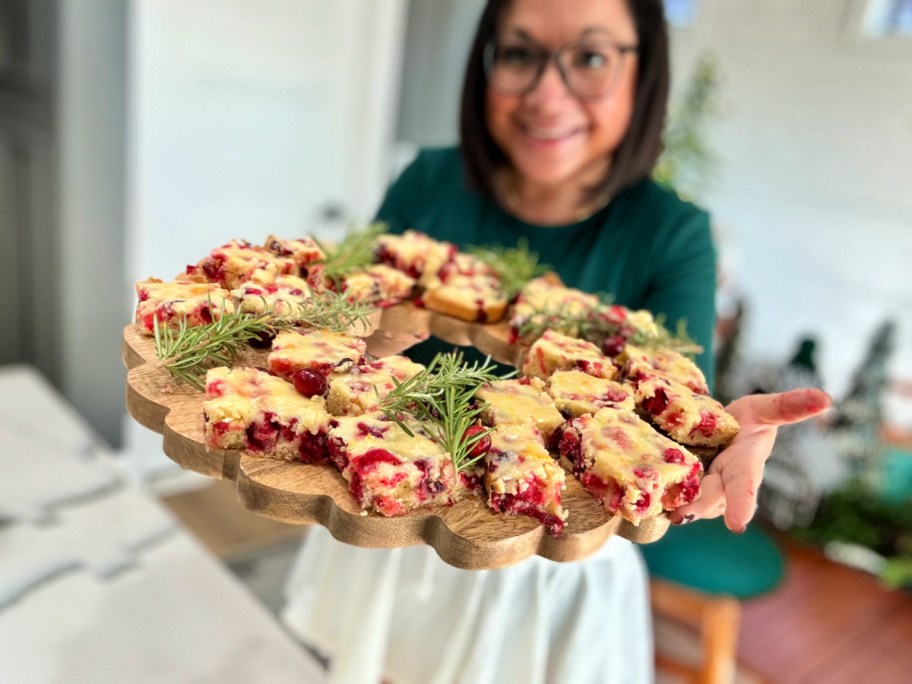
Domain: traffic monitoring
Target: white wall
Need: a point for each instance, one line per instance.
(814, 196)
(251, 117)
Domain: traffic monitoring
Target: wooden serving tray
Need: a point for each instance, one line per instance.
(466, 535)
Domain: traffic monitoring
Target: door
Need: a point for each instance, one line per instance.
(29, 307)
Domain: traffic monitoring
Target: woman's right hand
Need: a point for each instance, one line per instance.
(732, 481)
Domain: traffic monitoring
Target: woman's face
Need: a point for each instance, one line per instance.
(551, 136)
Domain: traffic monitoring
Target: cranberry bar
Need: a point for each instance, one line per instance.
(522, 478)
(197, 303)
(634, 471)
(640, 363)
(305, 252)
(473, 298)
(282, 296)
(554, 351)
(361, 388)
(323, 351)
(260, 413)
(687, 417)
(415, 254)
(239, 261)
(541, 296)
(520, 402)
(379, 284)
(576, 393)
(388, 470)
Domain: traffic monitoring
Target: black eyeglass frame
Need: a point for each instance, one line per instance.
(549, 56)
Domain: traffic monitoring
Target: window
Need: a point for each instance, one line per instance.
(680, 13)
(888, 18)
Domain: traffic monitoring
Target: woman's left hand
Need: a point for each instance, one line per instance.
(731, 482)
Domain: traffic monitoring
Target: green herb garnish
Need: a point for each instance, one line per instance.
(596, 326)
(443, 396)
(514, 266)
(187, 352)
(354, 252)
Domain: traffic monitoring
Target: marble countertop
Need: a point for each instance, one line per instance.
(98, 582)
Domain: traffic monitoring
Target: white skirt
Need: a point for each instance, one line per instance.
(406, 617)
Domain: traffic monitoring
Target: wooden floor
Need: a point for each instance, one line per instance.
(217, 518)
(828, 624)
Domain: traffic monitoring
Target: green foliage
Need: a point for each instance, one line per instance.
(856, 514)
(897, 573)
(688, 164)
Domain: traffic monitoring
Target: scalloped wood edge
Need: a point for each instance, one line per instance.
(466, 535)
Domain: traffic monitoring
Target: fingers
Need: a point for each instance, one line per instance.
(709, 504)
(732, 482)
(779, 409)
(741, 470)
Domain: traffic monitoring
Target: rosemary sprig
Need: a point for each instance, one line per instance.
(679, 340)
(514, 266)
(330, 311)
(594, 327)
(443, 396)
(355, 251)
(187, 352)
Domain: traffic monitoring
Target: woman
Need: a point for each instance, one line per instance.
(562, 111)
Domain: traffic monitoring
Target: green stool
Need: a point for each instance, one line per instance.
(706, 556)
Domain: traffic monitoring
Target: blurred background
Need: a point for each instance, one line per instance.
(135, 135)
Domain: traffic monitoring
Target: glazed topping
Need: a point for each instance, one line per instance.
(513, 402)
(577, 392)
(323, 351)
(240, 394)
(642, 363)
(280, 295)
(371, 431)
(554, 351)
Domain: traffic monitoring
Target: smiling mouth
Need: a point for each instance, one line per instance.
(550, 134)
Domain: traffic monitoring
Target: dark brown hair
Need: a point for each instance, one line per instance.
(638, 151)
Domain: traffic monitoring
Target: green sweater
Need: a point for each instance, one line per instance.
(647, 248)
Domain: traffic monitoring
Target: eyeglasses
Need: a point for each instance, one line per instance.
(588, 68)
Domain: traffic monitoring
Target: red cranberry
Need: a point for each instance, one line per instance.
(310, 383)
(262, 339)
(612, 346)
(482, 446)
(672, 455)
(643, 503)
(656, 403)
(371, 430)
(707, 424)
